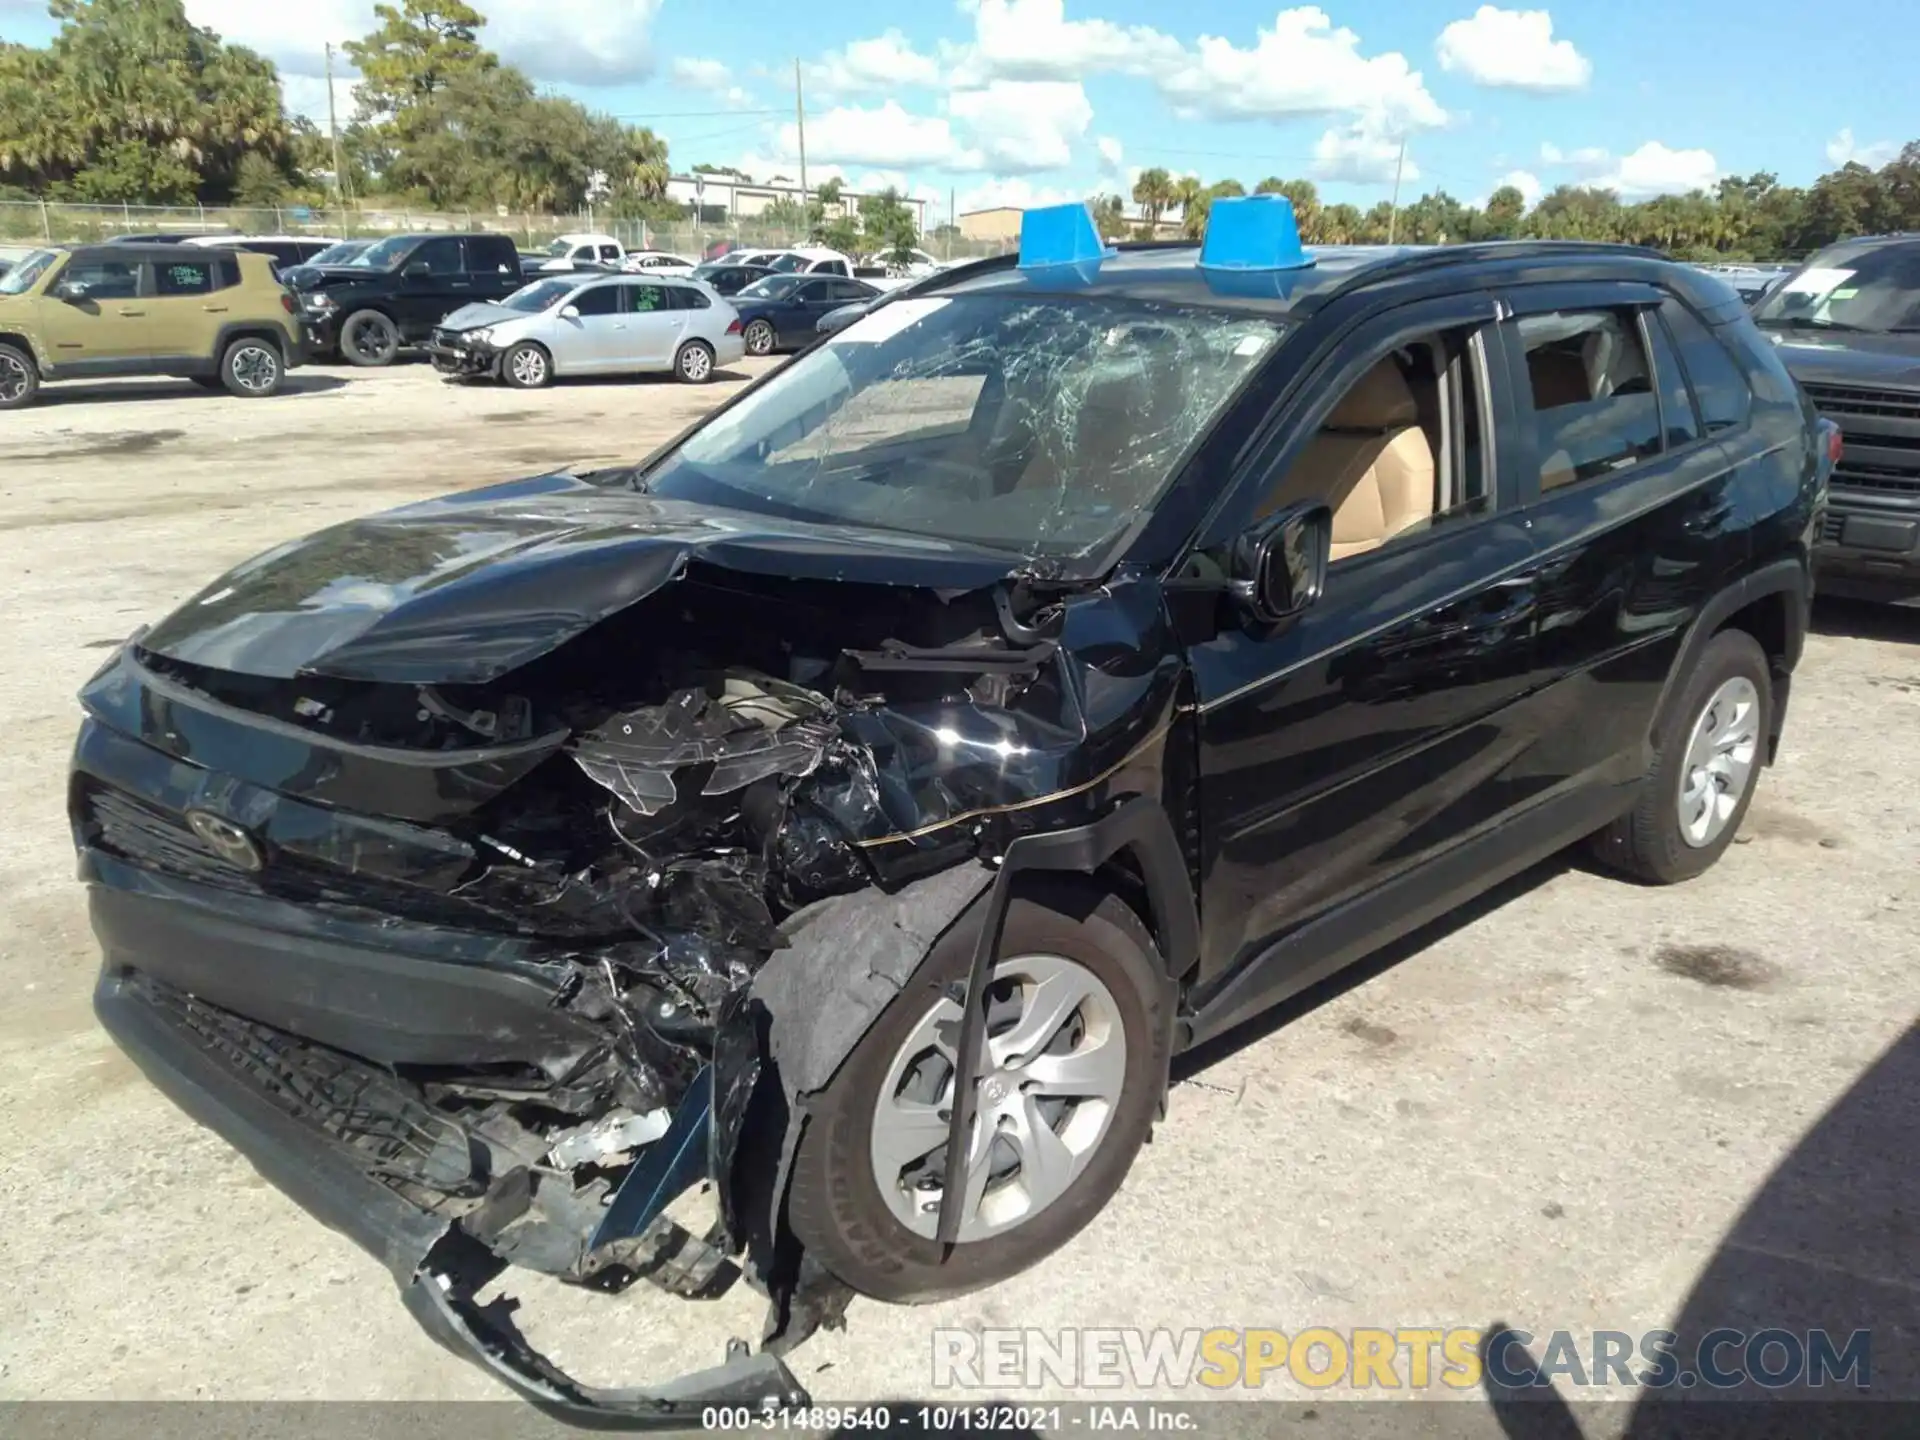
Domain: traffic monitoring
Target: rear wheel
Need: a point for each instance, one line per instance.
(252, 369)
(19, 378)
(759, 338)
(368, 338)
(694, 362)
(527, 366)
(1076, 1054)
(1704, 774)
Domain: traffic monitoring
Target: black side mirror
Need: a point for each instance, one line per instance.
(415, 271)
(1279, 567)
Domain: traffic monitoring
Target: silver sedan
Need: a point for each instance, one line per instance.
(565, 325)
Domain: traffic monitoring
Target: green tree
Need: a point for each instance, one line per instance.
(887, 226)
(1506, 207)
(419, 48)
(1305, 196)
(1109, 214)
(1153, 193)
(132, 102)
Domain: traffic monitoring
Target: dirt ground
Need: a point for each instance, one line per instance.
(1581, 1105)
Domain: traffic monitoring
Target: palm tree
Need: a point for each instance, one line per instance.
(1153, 193)
(1186, 191)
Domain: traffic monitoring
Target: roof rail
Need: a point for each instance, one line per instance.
(1437, 257)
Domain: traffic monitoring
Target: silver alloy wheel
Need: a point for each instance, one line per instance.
(529, 366)
(1719, 763)
(695, 362)
(255, 368)
(1055, 1065)
(759, 338)
(14, 378)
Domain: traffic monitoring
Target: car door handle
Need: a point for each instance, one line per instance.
(215, 309)
(130, 314)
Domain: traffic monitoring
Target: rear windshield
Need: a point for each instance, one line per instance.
(1872, 289)
(1043, 427)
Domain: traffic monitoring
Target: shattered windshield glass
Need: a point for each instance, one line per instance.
(1038, 426)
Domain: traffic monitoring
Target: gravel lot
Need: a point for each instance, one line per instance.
(1590, 1106)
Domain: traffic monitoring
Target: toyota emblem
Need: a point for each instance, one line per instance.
(226, 839)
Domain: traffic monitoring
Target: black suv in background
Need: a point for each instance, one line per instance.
(396, 290)
(1069, 664)
(1848, 327)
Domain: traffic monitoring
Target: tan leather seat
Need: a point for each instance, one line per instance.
(1370, 462)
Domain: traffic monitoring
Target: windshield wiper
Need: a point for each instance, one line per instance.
(1802, 322)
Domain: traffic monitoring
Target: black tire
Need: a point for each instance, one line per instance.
(252, 368)
(1647, 842)
(834, 1203)
(693, 363)
(527, 366)
(760, 338)
(369, 339)
(19, 378)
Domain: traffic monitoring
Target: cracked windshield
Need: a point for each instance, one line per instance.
(1038, 426)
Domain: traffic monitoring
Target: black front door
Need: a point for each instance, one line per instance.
(1378, 729)
(433, 283)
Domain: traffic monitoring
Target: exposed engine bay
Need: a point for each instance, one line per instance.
(621, 834)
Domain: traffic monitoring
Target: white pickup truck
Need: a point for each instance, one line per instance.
(572, 252)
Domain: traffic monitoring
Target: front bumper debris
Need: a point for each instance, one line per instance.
(438, 1267)
(453, 354)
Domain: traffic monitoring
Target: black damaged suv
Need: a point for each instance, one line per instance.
(857, 804)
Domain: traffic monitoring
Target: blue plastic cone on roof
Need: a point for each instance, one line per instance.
(1252, 233)
(1061, 243)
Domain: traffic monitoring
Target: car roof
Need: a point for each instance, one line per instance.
(1171, 273)
(159, 254)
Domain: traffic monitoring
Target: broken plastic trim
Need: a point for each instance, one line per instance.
(444, 1305)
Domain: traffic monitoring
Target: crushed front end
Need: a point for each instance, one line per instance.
(487, 971)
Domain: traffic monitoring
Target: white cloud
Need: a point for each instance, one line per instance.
(1033, 40)
(1022, 126)
(1020, 194)
(1112, 155)
(588, 42)
(1525, 181)
(307, 95)
(1653, 169)
(1360, 154)
(1512, 49)
(1302, 65)
(1843, 149)
(886, 135)
(711, 76)
(882, 63)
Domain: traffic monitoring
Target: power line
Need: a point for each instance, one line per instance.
(692, 114)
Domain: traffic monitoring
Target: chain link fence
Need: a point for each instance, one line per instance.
(27, 222)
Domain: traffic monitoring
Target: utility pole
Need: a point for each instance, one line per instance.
(333, 129)
(1393, 220)
(800, 125)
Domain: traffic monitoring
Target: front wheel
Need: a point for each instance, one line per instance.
(527, 367)
(759, 338)
(694, 362)
(369, 339)
(1075, 1058)
(19, 378)
(251, 369)
(1704, 772)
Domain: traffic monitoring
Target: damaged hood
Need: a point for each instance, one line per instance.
(463, 589)
(483, 312)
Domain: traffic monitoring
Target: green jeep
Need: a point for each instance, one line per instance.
(217, 317)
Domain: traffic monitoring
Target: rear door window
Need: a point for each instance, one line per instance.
(1676, 401)
(1593, 406)
(492, 255)
(1717, 381)
(184, 277)
(645, 299)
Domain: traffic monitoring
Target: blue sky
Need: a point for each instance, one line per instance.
(1029, 101)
